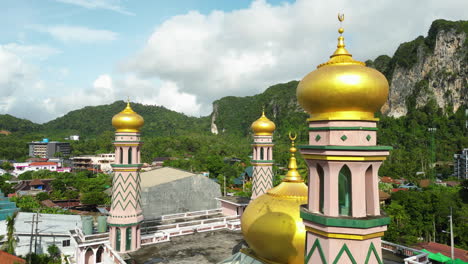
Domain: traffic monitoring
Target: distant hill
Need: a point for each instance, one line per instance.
(93, 120)
(14, 124)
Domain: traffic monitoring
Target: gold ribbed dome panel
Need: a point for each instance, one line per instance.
(272, 225)
(342, 88)
(128, 120)
(263, 126)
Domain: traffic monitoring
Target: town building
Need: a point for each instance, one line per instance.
(101, 162)
(33, 187)
(7, 208)
(460, 165)
(35, 166)
(75, 137)
(47, 229)
(49, 149)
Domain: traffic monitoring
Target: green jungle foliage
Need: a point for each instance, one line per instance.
(422, 215)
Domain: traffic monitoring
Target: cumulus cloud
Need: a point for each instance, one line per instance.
(113, 5)
(37, 52)
(79, 34)
(244, 51)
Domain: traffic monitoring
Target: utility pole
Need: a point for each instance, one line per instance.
(451, 235)
(36, 233)
(224, 185)
(32, 235)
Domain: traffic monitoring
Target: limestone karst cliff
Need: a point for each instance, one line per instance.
(432, 69)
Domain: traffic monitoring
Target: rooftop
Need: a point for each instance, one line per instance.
(200, 248)
(163, 175)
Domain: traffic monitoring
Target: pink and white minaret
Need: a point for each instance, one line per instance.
(262, 157)
(126, 213)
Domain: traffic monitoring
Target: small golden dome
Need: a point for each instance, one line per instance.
(127, 120)
(263, 126)
(342, 88)
(271, 224)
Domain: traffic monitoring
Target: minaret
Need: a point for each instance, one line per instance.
(342, 218)
(262, 157)
(125, 213)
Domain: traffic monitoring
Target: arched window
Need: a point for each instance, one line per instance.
(261, 153)
(138, 155)
(121, 156)
(129, 155)
(89, 256)
(99, 255)
(368, 190)
(321, 187)
(117, 239)
(344, 191)
(128, 239)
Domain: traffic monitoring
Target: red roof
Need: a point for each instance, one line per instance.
(399, 189)
(443, 249)
(6, 258)
(42, 163)
(36, 182)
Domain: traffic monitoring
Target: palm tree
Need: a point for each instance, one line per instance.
(11, 241)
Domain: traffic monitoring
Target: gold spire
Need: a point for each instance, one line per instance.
(127, 120)
(292, 175)
(342, 88)
(341, 55)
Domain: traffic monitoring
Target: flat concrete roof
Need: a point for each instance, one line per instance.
(49, 223)
(200, 248)
(163, 175)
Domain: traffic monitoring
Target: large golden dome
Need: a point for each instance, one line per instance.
(342, 88)
(263, 126)
(271, 223)
(127, 120)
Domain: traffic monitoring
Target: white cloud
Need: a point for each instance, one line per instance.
(38, 52)
(244, 51)
(79, 34)
(113, 5)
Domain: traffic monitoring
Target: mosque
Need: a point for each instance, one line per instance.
(334, 218)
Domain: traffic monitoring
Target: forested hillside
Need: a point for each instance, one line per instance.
(201, 144)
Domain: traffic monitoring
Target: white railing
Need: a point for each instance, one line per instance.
(413, 256)
(191, 214)
(186, 228)
(113, 255)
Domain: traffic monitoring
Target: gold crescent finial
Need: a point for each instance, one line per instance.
(292, 138)
(340, 17)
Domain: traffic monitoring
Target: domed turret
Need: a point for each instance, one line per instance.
(342, 88)
(127, 120)
(271, 224)
(263, 126)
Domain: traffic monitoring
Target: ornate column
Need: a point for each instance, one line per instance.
(126, 213)
(262, 159)
(342, 218)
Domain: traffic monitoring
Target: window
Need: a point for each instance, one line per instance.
(321, 187)
(128, 240)
(117, 240)
(129, 155)
(344, 191)
(121, 156)
(65, 243)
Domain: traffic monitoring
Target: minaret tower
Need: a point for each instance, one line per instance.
(262, 158)
(125, 213)
(342, 217)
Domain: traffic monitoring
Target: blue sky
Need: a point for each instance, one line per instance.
(61, 55)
